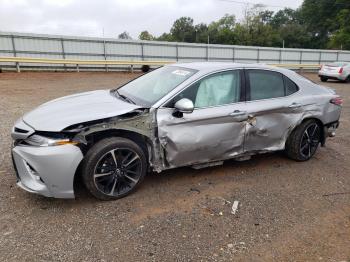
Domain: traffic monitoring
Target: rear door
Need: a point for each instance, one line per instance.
(214, 130)
(273, 108)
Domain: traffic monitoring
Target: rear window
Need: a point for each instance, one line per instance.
(265, 84)
(337, 64)
(291, 87)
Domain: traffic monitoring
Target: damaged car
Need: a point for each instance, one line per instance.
(190, 114)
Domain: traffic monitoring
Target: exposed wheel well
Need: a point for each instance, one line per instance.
(139, 139)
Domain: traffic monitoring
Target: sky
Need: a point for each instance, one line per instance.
(109, 18)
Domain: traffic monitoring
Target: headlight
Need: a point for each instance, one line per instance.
(38, 140)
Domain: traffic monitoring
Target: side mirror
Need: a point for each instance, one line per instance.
(184, 105)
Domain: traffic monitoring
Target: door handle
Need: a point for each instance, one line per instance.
(238, 113)
(295, 105)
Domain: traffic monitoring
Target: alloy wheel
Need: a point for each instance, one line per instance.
(310, 140)
(117, 171)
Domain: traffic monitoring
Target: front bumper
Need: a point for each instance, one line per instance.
(48, 171)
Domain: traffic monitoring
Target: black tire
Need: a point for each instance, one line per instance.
(347, 80)
(323, 79)
(302, 144)
(105, 173)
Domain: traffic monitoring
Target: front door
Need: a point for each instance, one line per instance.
(213, 131)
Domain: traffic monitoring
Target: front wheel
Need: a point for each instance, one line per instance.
(303, 141)
(113, 168)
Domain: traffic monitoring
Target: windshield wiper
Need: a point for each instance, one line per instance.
(125, 98)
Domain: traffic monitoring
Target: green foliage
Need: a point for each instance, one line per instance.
(316, 24)
(145, 35)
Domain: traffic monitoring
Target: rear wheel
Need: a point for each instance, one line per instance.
(323, 79)
(303, 141)
(113, 168)
(347, 80)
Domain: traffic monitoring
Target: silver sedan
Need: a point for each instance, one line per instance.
(191, 114)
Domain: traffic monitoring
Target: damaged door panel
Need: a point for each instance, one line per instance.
(205, 135)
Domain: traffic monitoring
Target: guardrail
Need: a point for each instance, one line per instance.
(78, 62)
(130, 63)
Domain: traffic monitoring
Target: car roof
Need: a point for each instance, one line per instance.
(208, 66)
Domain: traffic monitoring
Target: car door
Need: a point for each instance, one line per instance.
(214, 130)
(273, 109)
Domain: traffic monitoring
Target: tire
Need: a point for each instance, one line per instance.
(323, 79)
(113, 168)
(303, 142)
(347, 80)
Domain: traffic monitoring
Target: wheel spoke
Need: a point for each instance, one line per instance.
(309, 152)
(304, 147)
(132, 160)
(113, 187)
(113, 156)
(314, 131)
(307, 134)
(130, 178)
(102, 174)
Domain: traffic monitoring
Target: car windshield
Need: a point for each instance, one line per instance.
(149, 88)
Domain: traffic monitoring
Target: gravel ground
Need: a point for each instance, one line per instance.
(288, 211)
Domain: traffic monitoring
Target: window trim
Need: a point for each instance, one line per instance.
(247, 85)
(242, 95)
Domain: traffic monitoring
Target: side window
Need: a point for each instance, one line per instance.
(214, 90)
(265, 84)
(291, 87)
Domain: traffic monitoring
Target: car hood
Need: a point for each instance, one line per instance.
(60, 113)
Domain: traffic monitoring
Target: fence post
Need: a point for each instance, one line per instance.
(337, 56)
(233, 54)
(177, 52)
(104, 53)
(258, 58)
(207, 52)
(142, 52)
(319, 58)
(301, 57)
(280, 58)
(63, 54)
(18, 69)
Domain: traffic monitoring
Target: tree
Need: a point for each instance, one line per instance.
(124, 35)
(222, 31)
(183, 30)
(341, 37)
(145, 35)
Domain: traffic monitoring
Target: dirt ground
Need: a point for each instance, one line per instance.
(288, 211)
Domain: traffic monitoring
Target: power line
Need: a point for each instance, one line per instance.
(251, 3)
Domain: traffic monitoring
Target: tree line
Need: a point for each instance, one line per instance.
(319, 24)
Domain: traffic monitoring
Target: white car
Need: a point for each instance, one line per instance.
(337, 71)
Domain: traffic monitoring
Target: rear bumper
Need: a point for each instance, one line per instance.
(329, 130)
(329, 75)
(48, 171)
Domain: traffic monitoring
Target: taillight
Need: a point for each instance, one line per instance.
(340, 70)
(337, 101)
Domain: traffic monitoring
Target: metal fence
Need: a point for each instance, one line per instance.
(68, 47)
